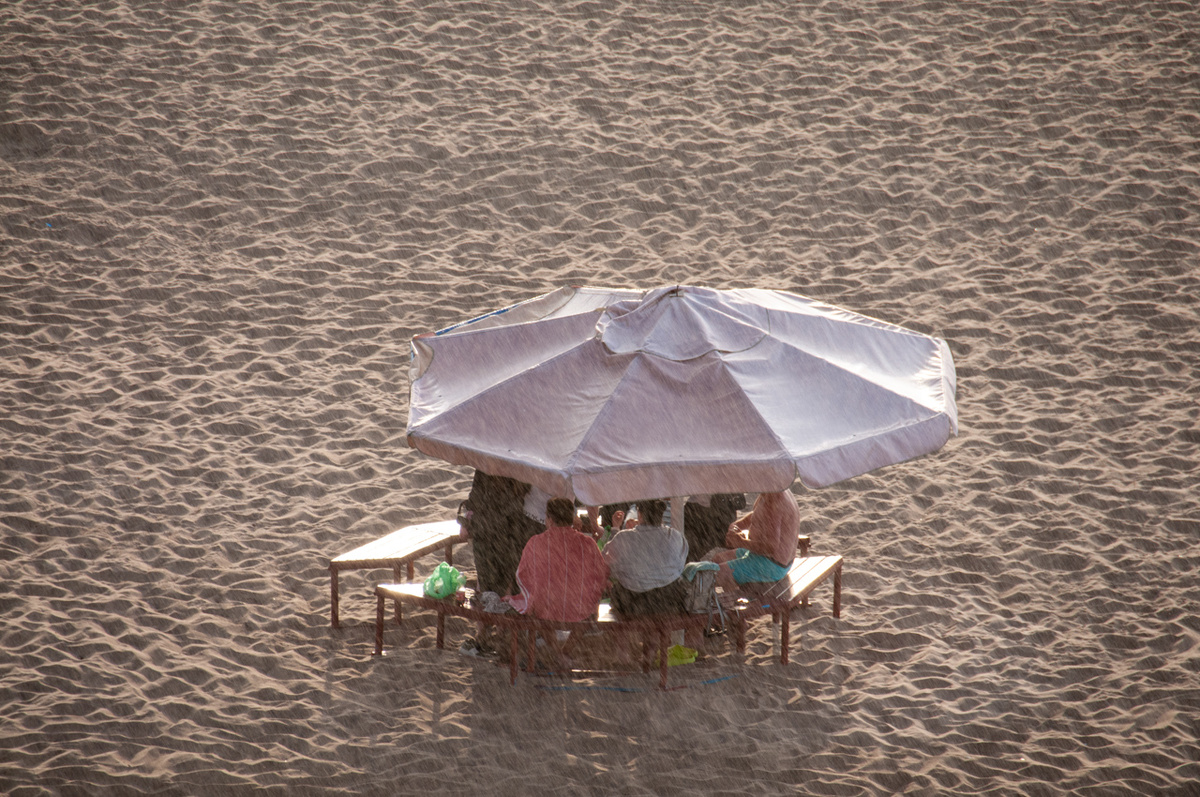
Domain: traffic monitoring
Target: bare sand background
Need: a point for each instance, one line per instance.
(222, 221)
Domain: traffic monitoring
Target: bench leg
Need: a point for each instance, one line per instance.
(396, 573)
(514, 648)
(333, 597)
(379, 625)
(530, 650)
(663, 639)
(804, 542)
(441, 630)
(784, 628)
(450, 553)
(837, 591)
(411, 572)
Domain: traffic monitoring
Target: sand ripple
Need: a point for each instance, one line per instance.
(222, 222)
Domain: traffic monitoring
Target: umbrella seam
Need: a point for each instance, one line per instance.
(869, 377)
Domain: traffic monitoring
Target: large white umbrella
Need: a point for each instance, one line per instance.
(612, 395)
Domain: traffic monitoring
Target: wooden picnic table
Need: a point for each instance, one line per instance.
(656, 627)
(752, 601)
(401, 547)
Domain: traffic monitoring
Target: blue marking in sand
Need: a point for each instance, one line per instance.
(591, 688)
(629, 688)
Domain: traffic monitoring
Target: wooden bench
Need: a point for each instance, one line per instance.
(651, 627)
(778, 599)
(401, 547)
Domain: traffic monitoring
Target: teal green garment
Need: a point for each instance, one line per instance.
(692, 568)
(749, 567)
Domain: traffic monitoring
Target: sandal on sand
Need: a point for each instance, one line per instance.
(473, 647)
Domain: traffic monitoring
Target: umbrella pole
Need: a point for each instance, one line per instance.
(677, 504)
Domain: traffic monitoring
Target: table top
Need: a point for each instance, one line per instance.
(403, 543)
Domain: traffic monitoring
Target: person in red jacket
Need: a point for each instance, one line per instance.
(562, 574)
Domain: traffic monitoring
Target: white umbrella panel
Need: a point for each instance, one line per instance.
(611, 395)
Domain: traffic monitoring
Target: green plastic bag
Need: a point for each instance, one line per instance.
(678, 654)
(444, 581)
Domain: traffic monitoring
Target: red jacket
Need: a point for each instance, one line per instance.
(562, 575)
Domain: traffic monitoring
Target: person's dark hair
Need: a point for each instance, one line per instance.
(650, 511)
(560, 512)
(608, 510)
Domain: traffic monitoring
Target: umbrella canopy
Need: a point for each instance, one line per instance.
(612, 395)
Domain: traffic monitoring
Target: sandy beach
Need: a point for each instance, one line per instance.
(223, 221)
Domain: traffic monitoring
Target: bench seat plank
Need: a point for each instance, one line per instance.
(804, 576)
